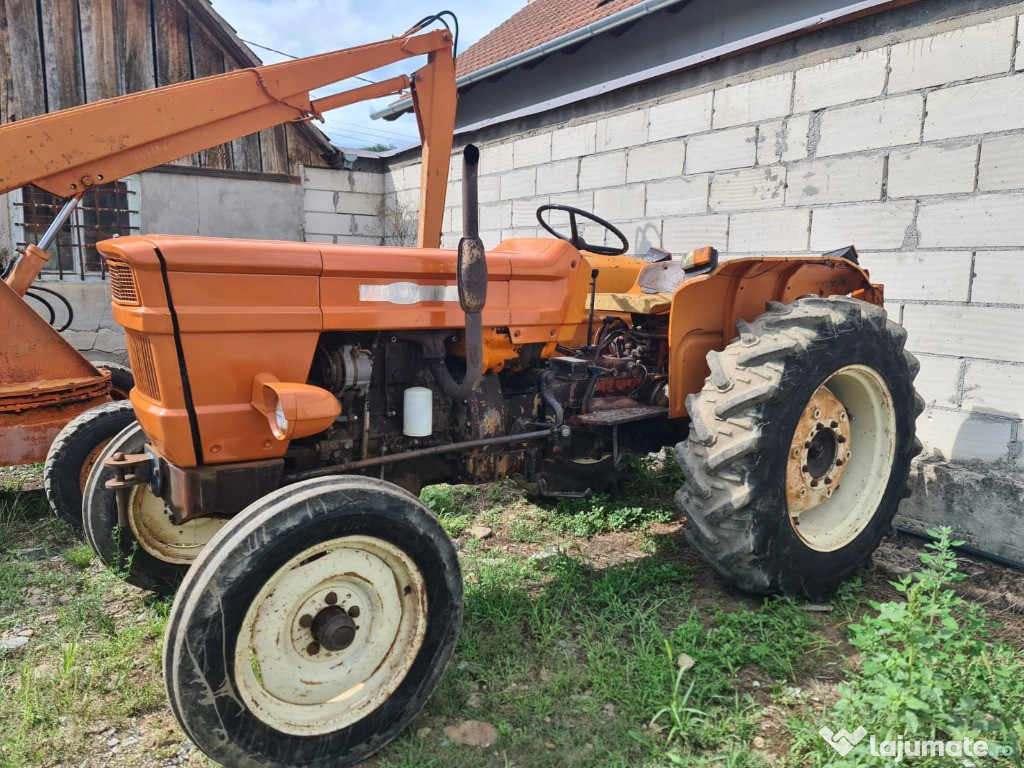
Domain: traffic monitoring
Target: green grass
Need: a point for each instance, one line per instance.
(574, 660)
(929, 669)
(572, 664)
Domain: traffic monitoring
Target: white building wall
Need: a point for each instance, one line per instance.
(909, 145)
(913, 151)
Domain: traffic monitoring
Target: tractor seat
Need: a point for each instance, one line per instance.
(633, 303)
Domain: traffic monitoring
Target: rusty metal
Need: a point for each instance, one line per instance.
(130, 470)
(819, 452)
(472, 272)
(223, 489)
(333, 628)
(44, 382)
(615, 416)
(437, 450)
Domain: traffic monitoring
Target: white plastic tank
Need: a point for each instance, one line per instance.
(418, 412)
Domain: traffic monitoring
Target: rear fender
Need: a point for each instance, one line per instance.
(705, 309)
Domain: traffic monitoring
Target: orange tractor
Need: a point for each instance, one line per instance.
(292, 399)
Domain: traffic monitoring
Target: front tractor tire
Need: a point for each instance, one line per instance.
(800, 446)
(150, 552)
(314, 626)
(73, 454)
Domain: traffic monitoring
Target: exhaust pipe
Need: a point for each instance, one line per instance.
(472, 272)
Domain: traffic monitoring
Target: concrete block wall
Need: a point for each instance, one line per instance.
(913, 150)
(342, 206)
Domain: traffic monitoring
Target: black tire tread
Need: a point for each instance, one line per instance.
(725, 425)
(61, 486)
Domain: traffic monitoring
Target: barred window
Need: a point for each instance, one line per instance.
(104, 212)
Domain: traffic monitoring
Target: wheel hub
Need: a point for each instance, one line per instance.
(333, 628)
(819, 453)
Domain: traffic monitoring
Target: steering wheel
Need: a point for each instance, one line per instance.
(574, 238)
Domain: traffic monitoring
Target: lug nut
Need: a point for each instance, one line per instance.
(305, 621)
(313, 649)
(354, 611)
(331, 598)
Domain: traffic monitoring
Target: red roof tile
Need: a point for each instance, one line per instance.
(539, 22)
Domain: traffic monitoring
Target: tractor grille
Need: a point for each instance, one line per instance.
(140, 354)
(122, 283)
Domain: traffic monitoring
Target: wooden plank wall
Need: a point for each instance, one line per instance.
(56, 54)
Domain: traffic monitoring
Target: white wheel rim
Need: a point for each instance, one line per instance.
(157, 535)
(300, 692)
(837, 520)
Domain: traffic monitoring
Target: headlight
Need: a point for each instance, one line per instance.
(293, 410)
(281, 420)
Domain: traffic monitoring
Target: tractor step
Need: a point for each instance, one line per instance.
(615, 416)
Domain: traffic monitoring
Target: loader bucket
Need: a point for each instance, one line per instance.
(44, 382)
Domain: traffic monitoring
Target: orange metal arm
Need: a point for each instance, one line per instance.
(69, 151)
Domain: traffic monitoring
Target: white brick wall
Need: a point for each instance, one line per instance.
(678, 197)
(735, 148)
(535, 150)
(836, 180)
(680, 117)
(753, 101)
(991, 333)
(558, 177)
(984, 107)
(607, 170)
(980, 220)
(870, 226)
(922, 275)
(932, 170)
(748, 189)
(998, 278)
(912, 149)
(1002, 163)
(984, 49)
(620, 131)
(344, 206)
(574, 141)
(840, 81)
(655, 161)
(769, 231)
(939, 380)
(994, 388)
(884, 123)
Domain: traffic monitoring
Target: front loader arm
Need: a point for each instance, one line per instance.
(68, 152)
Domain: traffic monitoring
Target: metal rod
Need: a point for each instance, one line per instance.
(593, 299)
(436, 450)
(58, 223)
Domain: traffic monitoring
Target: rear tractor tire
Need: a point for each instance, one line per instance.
(314, 626)
(150, 553)
(800, 446)
(74, 452)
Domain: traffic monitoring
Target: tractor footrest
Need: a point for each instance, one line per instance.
(615, 416)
